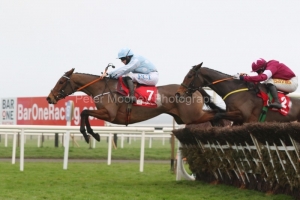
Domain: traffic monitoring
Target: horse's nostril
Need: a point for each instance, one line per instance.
(49, 100)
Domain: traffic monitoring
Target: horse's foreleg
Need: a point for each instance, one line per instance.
(90, 130)
(100, 114)
(84, 117)
(235, 116)
(207, 116)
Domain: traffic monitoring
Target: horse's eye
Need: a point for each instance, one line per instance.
(190, 76)
(60, 82)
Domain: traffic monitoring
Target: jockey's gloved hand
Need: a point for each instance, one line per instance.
(236, 76)
(112, 76)
(239, 76)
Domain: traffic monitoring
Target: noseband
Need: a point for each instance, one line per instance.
(62, 93)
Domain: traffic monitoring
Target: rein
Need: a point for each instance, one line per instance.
(230, 93)
(62, 91)
(190, 88)
(90, 83)
(221, 80)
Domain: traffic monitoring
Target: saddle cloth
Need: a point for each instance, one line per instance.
(284, 100)
(145, 94)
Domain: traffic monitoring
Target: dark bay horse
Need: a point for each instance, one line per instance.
(112, 108)
(242, 102)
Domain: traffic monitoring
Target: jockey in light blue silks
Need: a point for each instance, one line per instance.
(136, 69)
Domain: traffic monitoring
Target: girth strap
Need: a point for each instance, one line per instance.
(263, 114)
(128, 111)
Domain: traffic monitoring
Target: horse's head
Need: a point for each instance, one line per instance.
(62, 88)
(191, 82)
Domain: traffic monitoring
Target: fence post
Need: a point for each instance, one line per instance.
(56, 138)
(172, 141)
(142, 154)
(18, 140)
(42, 140)
(116, 139)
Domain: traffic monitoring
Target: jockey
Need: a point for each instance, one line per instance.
(136, 69)
(275, 75)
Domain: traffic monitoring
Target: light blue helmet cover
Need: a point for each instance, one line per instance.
(125, 52)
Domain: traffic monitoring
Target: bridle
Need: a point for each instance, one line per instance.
(191, 87)
(62, 93)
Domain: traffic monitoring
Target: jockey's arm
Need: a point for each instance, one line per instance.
(257, 78)
(133, 64)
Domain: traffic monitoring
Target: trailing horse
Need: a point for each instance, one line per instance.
(111, 106)
(242, 100)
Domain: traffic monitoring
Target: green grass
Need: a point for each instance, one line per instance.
(89, 181)
(130, 151)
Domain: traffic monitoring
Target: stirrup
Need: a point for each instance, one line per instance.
(275, 105)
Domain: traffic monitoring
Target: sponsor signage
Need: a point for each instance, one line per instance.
(37, 111)
(8, 111)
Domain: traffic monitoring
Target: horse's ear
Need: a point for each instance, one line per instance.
(196, 67)
(70, 72)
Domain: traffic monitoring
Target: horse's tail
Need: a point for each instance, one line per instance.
(208, 102)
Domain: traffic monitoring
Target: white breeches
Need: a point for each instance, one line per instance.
(284, 85)
(146, 79)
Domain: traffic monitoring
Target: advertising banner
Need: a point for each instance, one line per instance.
(37, 111)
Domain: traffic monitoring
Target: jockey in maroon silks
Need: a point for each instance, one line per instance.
(275, 75)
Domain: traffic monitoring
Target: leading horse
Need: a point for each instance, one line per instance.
(112, 108)
(242, 103)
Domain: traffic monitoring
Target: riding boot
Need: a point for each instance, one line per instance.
(131, 98)
(273, 90)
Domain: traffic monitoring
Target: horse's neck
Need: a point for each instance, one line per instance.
(92, 87)
(225, 84)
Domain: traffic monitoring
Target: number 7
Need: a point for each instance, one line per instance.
(150, 94)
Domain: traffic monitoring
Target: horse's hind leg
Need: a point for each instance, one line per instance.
(84, 118)
(90, 130)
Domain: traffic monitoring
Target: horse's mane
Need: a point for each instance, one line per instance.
(216, 71)
(248, 84)
(87, 74)
(93, 75)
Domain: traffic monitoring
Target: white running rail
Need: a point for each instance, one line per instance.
(26, 129)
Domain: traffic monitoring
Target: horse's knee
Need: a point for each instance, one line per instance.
(82, 130)
(84, 113)
(218, 116)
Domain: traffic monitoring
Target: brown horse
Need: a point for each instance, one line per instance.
(112, 108)
(240, 97)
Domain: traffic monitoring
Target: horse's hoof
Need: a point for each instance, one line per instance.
(87, 139)
(97, 137)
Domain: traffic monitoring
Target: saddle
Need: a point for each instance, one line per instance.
(145, 94)
(267, 98)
